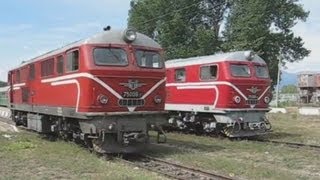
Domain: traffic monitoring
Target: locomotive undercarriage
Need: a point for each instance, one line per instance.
(107, 134)
(230, 124)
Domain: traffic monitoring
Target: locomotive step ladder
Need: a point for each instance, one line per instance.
(161, 136)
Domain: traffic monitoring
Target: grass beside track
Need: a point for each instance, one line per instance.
(27, 156)
(246, 159)
(249, 159)
(295, 128)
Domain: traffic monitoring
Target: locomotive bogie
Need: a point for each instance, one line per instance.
(231, 124)
(244, 124)
(104, 134)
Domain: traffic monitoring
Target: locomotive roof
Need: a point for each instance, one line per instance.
(220, 57)
(105, 37)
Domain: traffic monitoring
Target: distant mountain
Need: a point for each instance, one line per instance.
(288, 78)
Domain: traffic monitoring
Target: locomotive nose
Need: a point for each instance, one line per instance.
(140, 93)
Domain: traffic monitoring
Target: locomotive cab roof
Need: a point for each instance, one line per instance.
(105, 37)
(220, 57)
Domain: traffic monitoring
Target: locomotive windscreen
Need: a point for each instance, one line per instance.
(110, 56)
(149, 59)
(261, 71)
(240, 70)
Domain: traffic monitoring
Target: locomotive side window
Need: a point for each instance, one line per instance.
(60, 65)
(149, 59)
(24, 73)
(180, 75)
(32, 72)
(261, 71)
(47, 67)
(18, 76)
(240, 70)
(208, 72)
(110, 56)
(73, 61)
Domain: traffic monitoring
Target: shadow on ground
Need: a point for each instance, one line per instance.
(175, 147)
(279, 135)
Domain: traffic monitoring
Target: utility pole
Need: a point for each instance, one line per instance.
(278, 82)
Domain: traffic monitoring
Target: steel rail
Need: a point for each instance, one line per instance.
(288, 143)
(172, 170)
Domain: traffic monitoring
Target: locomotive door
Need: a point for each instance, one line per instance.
(10, 95)
(31, 86)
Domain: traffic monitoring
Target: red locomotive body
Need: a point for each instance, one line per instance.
(104, 90)
(227, 93)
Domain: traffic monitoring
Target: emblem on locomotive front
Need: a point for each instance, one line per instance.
(254, 90)
(133, 84)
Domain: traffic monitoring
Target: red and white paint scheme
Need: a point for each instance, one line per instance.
(227, 92)
(107, 88)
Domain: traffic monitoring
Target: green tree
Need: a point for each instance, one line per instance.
(183, 27)
(2, 84)
(266, 27)
(289, 89)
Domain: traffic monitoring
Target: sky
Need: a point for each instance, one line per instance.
(30, 28)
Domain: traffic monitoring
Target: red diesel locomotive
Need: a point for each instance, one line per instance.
(103, 91)
(227, 93)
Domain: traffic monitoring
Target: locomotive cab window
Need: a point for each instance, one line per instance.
(73, 61)
(180, 75)
(18, 76)
(149, 59)
(261, 71)
(208, 72)
(240, 70)
(32, 72)
(60, 65)
(110, 56)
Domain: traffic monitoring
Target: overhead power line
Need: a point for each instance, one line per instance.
(167, 14)
(174, 12)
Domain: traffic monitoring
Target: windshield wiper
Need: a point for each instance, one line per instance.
(115, 56)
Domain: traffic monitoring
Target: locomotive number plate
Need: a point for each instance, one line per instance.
(131, 94)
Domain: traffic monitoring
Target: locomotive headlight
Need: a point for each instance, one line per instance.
(103, 99)
(266, 100)
(237, 99)
(157, 99)
(129, 35)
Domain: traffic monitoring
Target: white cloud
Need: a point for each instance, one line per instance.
(23, 41)
(5, 29)
(310, 33)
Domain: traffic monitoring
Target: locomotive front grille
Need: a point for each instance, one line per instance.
(131, 102)
(252, 101)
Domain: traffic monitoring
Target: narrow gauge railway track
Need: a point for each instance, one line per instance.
(171, 170)
(168, 169)
(291, 144)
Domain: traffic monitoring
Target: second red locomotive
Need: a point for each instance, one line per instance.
(228, 93)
